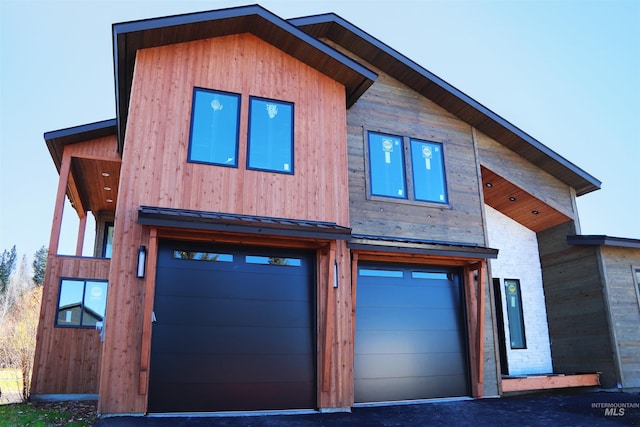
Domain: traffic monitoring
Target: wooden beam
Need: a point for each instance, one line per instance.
(472, 329)
(480, 326)
(543, 382)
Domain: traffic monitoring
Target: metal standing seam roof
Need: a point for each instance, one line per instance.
(217, 221)
(420, 246)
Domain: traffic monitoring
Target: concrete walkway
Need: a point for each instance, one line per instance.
(551, 410)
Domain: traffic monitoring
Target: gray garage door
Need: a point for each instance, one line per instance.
(234, 330)
(410, 334)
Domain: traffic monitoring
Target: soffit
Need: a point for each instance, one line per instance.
(336, 29)
(128, 37)
(517, 204)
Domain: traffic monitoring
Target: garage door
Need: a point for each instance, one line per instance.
(234, 330)
(410, 334)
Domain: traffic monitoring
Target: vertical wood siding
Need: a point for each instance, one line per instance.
(390, 107)
(576, 312)
(624, 310)
(67, 360)
(155, 172)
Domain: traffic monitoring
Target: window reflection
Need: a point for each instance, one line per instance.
(270, 135)
(82, 302)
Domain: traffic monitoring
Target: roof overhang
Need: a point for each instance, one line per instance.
(602, 240)
(352, 38)
(402, 245)
(56, 140)
(237, 223)
(129, 37)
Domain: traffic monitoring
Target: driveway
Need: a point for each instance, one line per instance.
(549, 410)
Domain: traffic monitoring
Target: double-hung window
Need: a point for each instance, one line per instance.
(387, 156)
(214, 127)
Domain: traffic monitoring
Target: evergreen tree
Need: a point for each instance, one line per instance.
(7, 265)
(39, 265)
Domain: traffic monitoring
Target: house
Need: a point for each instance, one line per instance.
(292, 215)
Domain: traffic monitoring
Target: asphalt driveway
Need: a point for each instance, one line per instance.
(549, 410)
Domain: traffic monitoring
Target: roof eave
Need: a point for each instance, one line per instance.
(128, 37)
(330, 25)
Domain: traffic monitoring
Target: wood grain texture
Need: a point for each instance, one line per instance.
(67, 360)
(543, 382)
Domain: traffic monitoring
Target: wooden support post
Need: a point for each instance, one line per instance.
(56, 226)
(472, 327)
(147, 325)
(481, 269)
(82, 227)
(329, 319)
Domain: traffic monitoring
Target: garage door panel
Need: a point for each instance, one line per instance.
(238, 368)
(393, 318)
(408, 388)
(409, 296)
(232, 396)
(408, 341)
(223, 312)
(175, 339)
(201, 283)
(232, 335)
(408, 364)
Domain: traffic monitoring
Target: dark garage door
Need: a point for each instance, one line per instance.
(234, 330)
(410, 334)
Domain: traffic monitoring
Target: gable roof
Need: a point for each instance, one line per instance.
(128, 37)
(334, 28)
(56, 140)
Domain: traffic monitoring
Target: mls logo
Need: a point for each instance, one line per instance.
(614, 412)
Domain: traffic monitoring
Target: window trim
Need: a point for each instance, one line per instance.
(635, 274)
(408, 171)
(238, 97)
(105, 239)
(82, 304)
(291, 170)
(520, 320)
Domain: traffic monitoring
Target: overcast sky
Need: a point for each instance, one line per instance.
(565, 72)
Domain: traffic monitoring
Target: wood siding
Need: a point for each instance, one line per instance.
(155, 173)
(624, 310)
(67, 360)
(525, 175)
(576, 307)
(390, 107)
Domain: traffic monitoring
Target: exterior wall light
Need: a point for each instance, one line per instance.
(142, 261)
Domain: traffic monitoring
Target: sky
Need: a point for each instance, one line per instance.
(565, 72)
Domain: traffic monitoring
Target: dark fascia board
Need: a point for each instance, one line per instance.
(603, 240)
(334, 27)
(56, 140)
(423, 247)
(128, 37)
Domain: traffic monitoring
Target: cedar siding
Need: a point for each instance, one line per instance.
(156, 172)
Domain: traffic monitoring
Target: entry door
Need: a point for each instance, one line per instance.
(410, 338)
(234, 330)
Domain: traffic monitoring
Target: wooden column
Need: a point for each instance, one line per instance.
(147, 324)
(56, 226)
(475, 294)
(329, 318)
(82, 227)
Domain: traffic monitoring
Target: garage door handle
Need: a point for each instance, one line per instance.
(153, 317)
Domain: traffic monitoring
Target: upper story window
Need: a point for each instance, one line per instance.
(388, 156)
(427, 163)
(270, 145)
(386, 165)
(215, 119)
